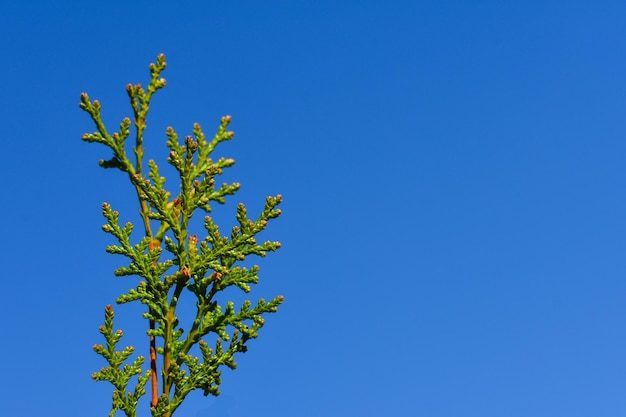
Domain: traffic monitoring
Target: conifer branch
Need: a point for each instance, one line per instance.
(185, 263)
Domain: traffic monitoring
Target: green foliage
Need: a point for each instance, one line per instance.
(169, 260)
(117, 374)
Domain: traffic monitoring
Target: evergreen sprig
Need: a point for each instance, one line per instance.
(117, 374)
(169, 259)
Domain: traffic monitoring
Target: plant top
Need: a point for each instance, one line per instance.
(170, 261)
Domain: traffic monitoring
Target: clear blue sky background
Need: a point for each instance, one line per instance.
(454, 176)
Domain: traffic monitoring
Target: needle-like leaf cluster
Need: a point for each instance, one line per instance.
(170, 260)
(118, 373)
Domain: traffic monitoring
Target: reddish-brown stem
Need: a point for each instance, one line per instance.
(153, 368)
(154, 379)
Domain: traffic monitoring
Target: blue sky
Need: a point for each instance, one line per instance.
(455, 195)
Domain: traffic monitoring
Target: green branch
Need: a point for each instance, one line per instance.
(203, 267)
